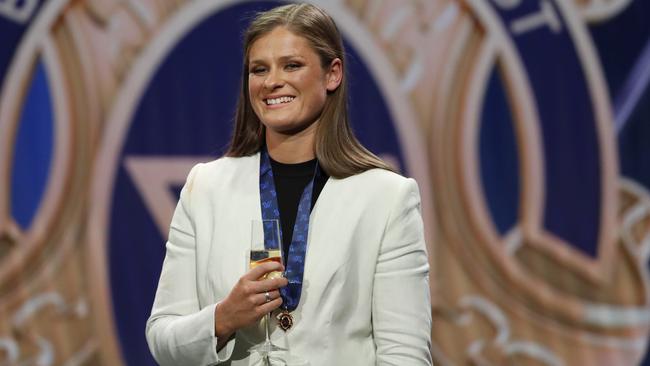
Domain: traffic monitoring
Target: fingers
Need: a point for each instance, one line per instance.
(247, 302)
(268, 285)
(268, 307)
(272, 295)
(262, 269)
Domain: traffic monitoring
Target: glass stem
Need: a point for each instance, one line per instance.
(268, 320)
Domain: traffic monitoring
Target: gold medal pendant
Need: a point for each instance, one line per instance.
(285, 320)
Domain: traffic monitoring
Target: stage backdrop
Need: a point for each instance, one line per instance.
(525, 122)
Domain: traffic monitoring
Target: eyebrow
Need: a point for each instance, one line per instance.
(281, 58)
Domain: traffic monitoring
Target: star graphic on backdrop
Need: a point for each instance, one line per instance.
(154, 177)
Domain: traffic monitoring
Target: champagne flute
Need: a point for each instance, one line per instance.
(266, 246)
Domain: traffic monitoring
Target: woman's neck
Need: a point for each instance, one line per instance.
(291, 149)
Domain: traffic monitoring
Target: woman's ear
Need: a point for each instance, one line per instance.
(334, 75)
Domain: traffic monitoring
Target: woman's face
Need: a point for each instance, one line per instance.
(287, 86)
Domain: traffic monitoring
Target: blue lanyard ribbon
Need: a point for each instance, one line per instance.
(295, 263)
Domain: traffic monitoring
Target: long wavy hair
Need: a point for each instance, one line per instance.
(338, 151)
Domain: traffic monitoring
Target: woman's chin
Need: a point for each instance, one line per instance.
(287, 127)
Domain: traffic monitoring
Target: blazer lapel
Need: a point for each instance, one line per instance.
(326, 249)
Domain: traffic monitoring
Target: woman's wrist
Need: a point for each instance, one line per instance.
(222, 328)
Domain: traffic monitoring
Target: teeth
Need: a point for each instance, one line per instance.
(279, 100)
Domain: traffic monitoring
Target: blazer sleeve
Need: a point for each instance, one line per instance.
(401, 304)
(178, 331)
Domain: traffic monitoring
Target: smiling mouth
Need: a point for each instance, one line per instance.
(279, 100)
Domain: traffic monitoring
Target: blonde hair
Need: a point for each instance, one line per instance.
(338, 151)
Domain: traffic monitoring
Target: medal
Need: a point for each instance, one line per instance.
(285, 320)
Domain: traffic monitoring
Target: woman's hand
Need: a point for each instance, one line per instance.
(247, 301)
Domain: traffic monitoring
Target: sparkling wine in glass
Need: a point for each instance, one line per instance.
(266, 246)
(260, 256)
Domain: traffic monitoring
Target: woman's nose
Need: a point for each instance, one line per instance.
(273, 80)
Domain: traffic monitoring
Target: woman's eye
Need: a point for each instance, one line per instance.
(293, 66)
(257, 70)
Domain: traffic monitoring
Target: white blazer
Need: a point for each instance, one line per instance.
(365, 297)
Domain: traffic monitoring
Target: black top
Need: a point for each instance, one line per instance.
(290, 181)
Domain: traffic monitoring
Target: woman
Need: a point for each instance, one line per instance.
(359, 291)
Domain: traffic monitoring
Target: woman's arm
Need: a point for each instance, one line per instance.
(179, 332)
(401, 306)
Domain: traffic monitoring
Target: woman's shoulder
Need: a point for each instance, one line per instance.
(225, 167)
(380, 177)
(227, 163)
(379, 191)
(375, 183)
